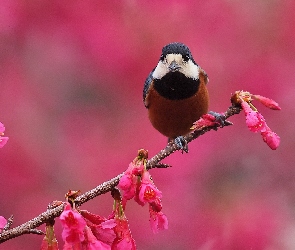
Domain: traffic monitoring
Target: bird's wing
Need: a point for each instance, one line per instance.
(146, 87)
(204, 74)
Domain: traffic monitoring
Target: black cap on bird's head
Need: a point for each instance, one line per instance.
(177, 48)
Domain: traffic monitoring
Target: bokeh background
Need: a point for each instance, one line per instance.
(71, 79)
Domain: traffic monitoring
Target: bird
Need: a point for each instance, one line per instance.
(175, 93)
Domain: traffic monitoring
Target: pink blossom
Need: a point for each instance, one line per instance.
(267, 102)
(158, 221)
(73, 225)
(129, 181)
(105, 232)
(124, 240)
(3, 223)
(127, 184)
(92, 243)
(270, 138)
(101, 227)
(148, 191)
(3, 140)
(254, 120)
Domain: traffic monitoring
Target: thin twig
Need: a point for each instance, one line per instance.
(51, 213)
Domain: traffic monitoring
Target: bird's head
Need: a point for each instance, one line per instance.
(176, 57)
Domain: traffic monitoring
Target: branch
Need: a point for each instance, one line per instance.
(53, 212)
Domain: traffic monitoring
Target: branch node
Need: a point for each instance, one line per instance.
(9, 223)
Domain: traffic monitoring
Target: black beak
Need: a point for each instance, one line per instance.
(174, 66)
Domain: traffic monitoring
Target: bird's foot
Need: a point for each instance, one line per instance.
(181, 143)
(220, 119)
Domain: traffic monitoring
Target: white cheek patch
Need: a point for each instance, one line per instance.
(189, 69)
(160, 70)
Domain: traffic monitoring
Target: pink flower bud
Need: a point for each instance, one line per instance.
(267, 102)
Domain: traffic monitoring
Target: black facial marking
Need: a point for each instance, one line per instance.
(186, 58)
(176, 86)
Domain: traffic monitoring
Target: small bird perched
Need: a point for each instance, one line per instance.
(175, 93)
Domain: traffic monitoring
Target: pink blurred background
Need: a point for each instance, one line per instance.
(71, 77)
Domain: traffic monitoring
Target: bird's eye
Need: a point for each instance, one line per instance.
(185, 58)
(162, 58)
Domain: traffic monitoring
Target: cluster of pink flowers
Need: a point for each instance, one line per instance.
(137, 183)
(254, 120)
(83, 230)
(86, 231)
